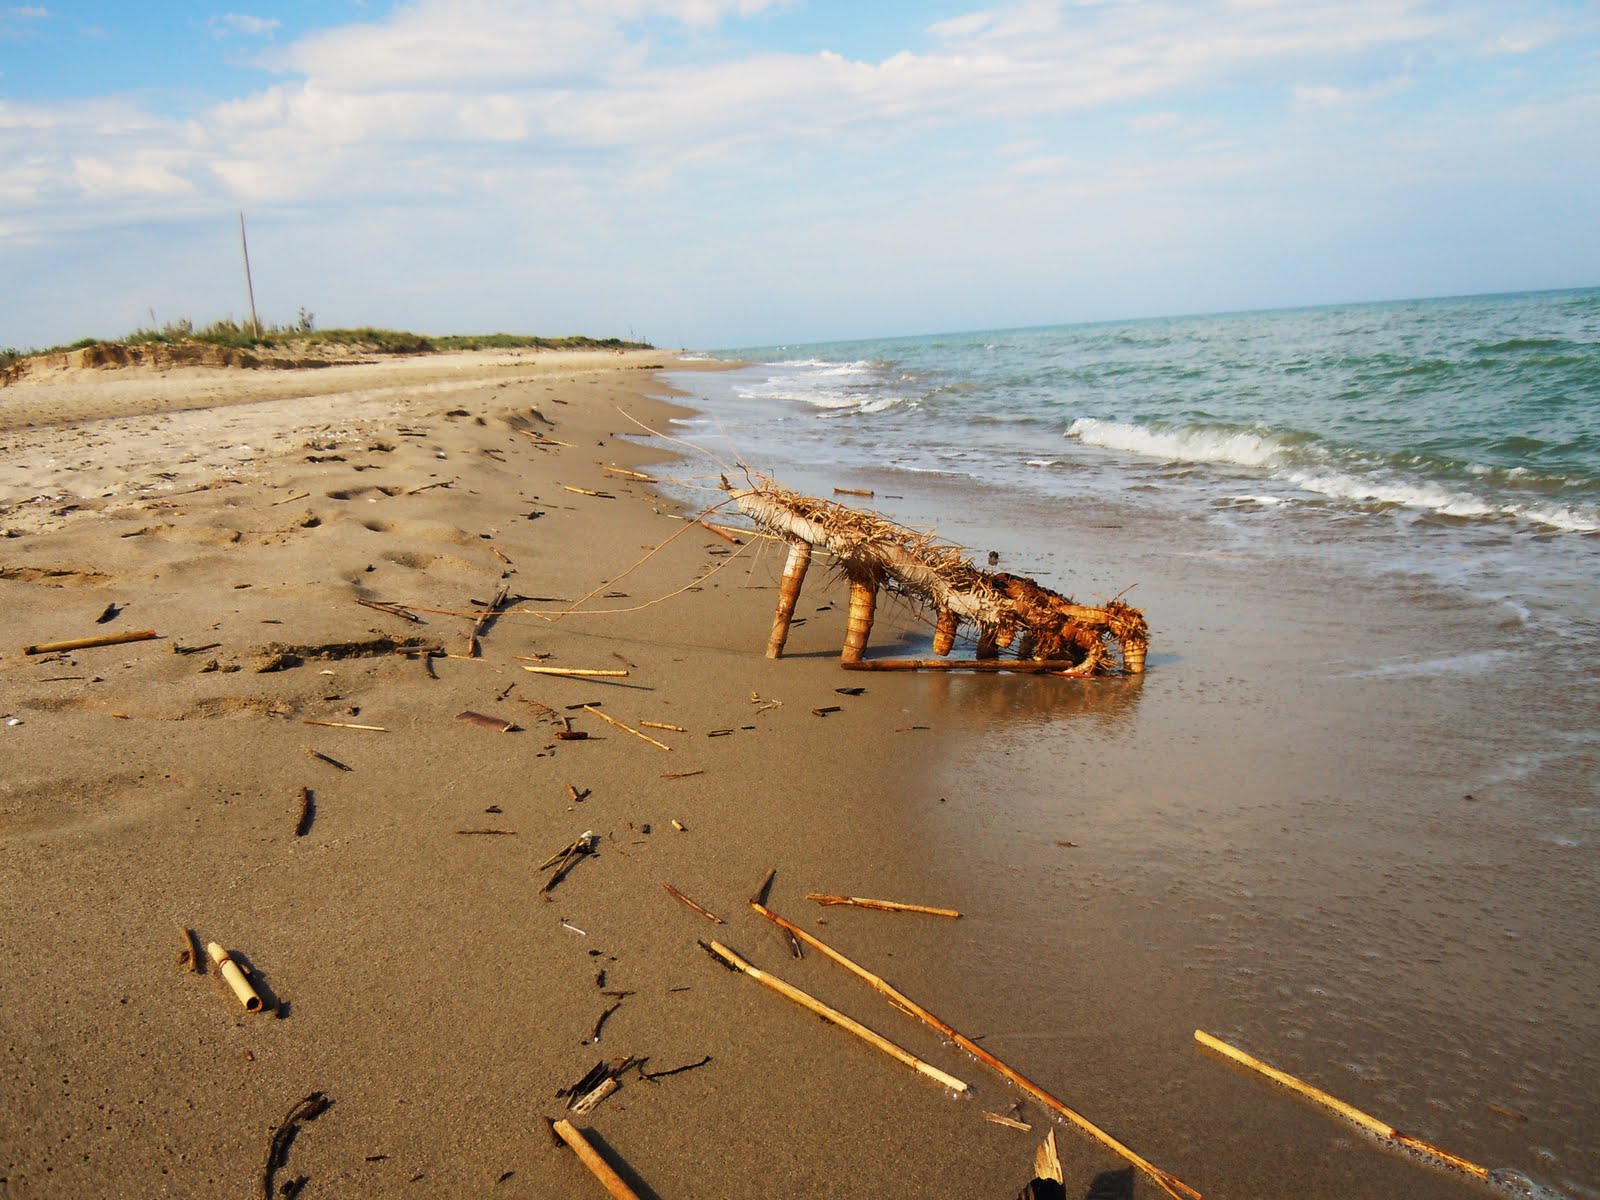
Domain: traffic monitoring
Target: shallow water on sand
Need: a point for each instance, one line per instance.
(1346, 821)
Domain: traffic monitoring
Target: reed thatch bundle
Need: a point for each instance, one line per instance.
(876, 553)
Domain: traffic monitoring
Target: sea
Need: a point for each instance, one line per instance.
(1350, 817)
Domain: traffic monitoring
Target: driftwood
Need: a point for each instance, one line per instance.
(734, 963)
(875, 554)
(1168, 1182)
(105, 639)
(1371, 1124)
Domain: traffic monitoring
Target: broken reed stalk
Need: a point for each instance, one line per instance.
(663, 725)
(234, 978)
(681, 898)
(189, 959)
(734, 963)
(720, 532)
(794, 577)
(589, 708)
(1349, 1112)
(105, 639)
(863, 604)
(590, 1157)
(627, 474)
(1023, 666)
(487, 722)
(394, 610)
(1168, 1183)
(302, 826)
(482, 616)
(576, 672)
(882, 905)
(345, 725)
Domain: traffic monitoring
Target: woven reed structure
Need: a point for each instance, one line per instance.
(1049, 630)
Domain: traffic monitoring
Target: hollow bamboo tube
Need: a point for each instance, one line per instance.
(833, 1015)
(234, 977)
(863, 603)
(1168, 1182)
(824, 898)
(1133, 657)
(105, 639)
(794, 575)
(1348, 1111)
(944, 632)
(988, 643)
(590, 1157)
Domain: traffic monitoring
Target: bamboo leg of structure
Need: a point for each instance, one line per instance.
(794, 575)
(1348, 1111)
(590, 1157)
(988, 643)
(1168, 1182)
(944, 633)
(863, 603)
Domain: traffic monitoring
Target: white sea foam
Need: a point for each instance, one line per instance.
(1406, 494)
(1179, 445)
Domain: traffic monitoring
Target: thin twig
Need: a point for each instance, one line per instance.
(679, 896)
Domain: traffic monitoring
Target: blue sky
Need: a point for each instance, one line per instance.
(718, 173)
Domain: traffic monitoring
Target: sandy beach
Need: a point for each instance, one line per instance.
(421, 978)
(417, 971)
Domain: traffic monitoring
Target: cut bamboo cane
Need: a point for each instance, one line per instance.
(105, 639)
(345, 725)
(720, 532)
(1168, 1183)
(863, 602)
(883, 905)
(234, 978)
(627, 474)
(590, 1157)
(576, 672)
(731, 960)
(1349, 1112)
(663, 725)
(589, 708)
(944, 632)
(587, 492)
(794, 577)
(1021, 666)
(681, 898)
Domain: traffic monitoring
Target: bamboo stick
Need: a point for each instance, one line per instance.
(706, 913)
(627, 474)
(590, 1157)
(394, 610)
(234, 978)
(345, 725)
(589, 708)
(863, 602)
(540, 439)
(105, 639)
(577, 672)
(663, 725)
(720, 532)
(1021, 666)
(794, 577)
(1349, 1112)
(883, 905)
(587, 492)
(731, 960)
(1168, 1183)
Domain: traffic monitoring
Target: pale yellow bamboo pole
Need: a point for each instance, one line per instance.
(1348, 1111)
(590, 1157)
(794, 576)
(812, 1004)
(104, 639)
(825, 898)
(863, 603)
(1168, 1182)
(234, 977)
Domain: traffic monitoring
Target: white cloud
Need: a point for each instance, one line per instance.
(244, 23)
(28, 12)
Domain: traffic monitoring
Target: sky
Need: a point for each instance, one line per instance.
(726, 173)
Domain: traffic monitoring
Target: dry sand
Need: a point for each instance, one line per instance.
(422, 981)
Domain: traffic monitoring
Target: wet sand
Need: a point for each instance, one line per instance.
(439, 999)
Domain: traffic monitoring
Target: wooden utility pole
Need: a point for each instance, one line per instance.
(250, 287)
